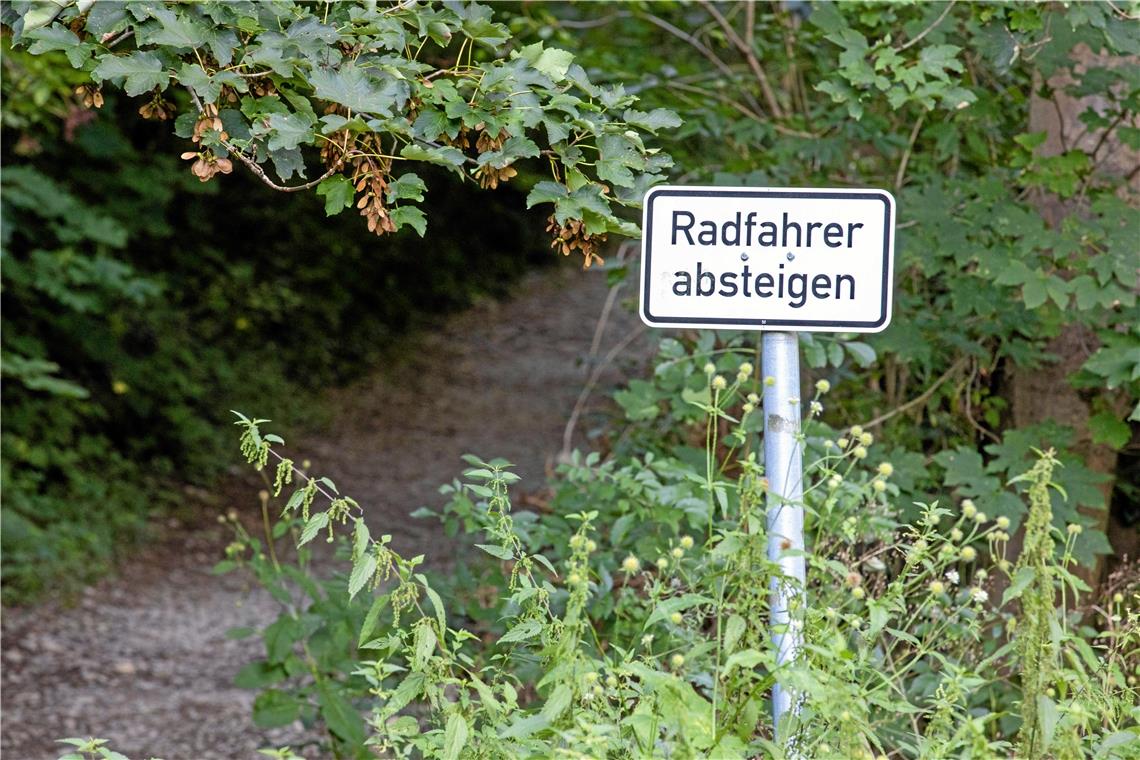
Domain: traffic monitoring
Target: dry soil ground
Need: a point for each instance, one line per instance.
(142, 657)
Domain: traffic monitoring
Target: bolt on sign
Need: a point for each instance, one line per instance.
(767, 258)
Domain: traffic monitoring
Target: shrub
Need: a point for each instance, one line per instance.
(632, 627)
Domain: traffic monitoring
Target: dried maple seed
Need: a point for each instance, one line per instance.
(573, 236)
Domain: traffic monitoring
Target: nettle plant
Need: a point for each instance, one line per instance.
(617, 637)
(369, 91)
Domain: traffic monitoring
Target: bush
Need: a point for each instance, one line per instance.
(630, 627)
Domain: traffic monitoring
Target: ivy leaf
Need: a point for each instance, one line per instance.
(338, 193)
(141, 71)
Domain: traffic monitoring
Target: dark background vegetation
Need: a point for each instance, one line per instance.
(165, 302)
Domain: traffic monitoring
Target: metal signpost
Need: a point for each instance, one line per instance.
(779, 260)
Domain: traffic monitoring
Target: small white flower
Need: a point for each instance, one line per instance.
(952, 576)
(816, 407)
(979, 595)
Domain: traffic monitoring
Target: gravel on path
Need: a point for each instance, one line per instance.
(142, 658)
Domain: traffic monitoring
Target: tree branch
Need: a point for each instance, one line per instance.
(254, 167)
(700, 48)
(928, 29)
(750, 56)
(921, 398)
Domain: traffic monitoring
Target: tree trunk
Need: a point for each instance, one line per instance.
(1044, 393)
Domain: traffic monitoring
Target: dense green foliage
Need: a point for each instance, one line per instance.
(623, 630)
(933, 102)
(134, 317)
(618, 625)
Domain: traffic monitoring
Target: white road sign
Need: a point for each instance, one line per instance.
(767, 258)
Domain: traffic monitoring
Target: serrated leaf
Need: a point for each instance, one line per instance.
(454, 736)
(409, 216)
(370, 619)
(141, 71)
(353, 88)
(658, 118)
(521, 632)
(289, 131)
(273, 708)
(315, 525)
(342, 720)
(676, 604)
(554, 63)
(338, 193)
(362, 571)
(733, 630)
(497, 551)
(862, 353)
(1020, 581)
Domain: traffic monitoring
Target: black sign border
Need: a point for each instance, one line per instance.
(647, 252)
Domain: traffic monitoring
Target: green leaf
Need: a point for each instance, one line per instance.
(258, 675)
(409, 216)
(521, 632)
(362, 571)
(495, 550)
(407, 186)
(370, 620)
(454, 736)
(676, 604)
(177, 30)
(1021, 580)
(290, 130)
(141, 71)
(557, 702)
(315, 525)
(339, 715)
(273, 708)
(338, 193)
(733, 630)
(441, 156)
(658, 118)
(554, 63)
(748, 658)
(1109, 429)
(353, 88)
(862, 353)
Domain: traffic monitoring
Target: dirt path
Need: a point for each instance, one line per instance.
(142, 659)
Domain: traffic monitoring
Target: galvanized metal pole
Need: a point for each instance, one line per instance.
(783, 463)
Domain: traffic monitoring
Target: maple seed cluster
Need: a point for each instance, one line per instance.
(158, 109)
(489, 176)
(573, 235)
(206, 164)
(90, 95)
(370, 179)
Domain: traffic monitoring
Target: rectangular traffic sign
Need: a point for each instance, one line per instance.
(751, 258)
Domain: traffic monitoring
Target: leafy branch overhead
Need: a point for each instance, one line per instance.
(348, 97)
